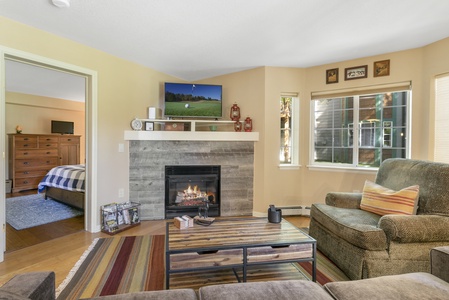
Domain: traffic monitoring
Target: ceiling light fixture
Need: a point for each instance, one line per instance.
(61, 3)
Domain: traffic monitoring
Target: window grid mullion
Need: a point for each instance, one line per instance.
(356, 144)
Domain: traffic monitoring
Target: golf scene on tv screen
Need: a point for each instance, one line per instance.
(193, 100)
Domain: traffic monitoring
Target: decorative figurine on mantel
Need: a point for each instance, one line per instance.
(18, 129)
(248, 124)
(235, 112)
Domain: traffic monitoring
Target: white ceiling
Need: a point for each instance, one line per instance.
(34, 80)
(197, 39)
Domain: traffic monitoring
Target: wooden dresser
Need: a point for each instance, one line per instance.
(31, 156)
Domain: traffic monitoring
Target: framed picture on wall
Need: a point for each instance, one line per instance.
(382, 68)
(149, 126)
(332, 76)
(356, 72)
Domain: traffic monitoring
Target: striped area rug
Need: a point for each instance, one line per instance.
(117, 265)
(326, 270)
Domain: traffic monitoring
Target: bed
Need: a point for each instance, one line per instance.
(65, 184)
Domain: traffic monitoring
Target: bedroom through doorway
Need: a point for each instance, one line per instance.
(49, 94)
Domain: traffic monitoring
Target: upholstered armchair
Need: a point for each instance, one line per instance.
(364, 244)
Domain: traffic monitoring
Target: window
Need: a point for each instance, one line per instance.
(441, 144)
(360, 130)
(289, 115)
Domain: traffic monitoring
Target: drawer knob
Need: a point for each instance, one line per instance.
(48, 152)
(25, 153)
(26, 172)
(25, 182)
(25, 139)
(25, 163)
(26, 145)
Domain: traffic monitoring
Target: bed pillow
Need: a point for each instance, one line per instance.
(383, 201)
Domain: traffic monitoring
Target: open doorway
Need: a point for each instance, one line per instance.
(90, 79)
(45, 127)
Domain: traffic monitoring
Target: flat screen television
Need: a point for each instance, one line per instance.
(62, 127)
(193, 100)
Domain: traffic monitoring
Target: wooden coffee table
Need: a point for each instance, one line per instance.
(236, 243)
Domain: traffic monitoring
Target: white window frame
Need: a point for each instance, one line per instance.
(294, 133)
(395, 87)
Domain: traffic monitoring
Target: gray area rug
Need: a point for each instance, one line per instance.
(33, 210)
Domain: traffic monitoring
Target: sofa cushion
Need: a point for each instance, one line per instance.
(288, 289)
(6, 295)
(384, 201)
(356, 226)
(32, 285)
(439, 262)
(405, 286)
(184, 294)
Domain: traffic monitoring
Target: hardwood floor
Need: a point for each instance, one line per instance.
(18, 239)
(61, 254)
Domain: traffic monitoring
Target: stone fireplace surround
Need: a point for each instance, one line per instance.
(148, 159)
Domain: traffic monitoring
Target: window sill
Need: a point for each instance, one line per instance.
(342, 168)
(289, 167)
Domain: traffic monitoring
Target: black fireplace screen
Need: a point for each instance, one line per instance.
(187, 188)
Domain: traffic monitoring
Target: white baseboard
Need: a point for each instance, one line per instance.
(287, 211)
(291, 210)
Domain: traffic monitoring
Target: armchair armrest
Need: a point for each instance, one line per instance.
(439, 262)
(34, 285)
(344, 200)
(415, 228)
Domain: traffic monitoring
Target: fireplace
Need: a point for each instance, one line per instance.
(187, 188)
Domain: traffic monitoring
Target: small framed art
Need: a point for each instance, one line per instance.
(356, 72)
(332, 76)
(149, 126)
(382, 68)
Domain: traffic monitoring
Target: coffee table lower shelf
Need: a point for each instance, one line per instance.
(238, 256)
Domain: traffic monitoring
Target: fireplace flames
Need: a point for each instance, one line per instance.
(192, 197)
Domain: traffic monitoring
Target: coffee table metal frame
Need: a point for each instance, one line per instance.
(192, 232)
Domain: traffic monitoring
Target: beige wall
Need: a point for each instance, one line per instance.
(309, 185)
(125, 90)
(34, 114)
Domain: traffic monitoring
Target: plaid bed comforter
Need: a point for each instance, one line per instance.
(69, 177)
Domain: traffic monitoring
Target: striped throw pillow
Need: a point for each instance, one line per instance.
(383, 201)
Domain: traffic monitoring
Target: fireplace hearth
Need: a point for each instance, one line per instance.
(189, 188)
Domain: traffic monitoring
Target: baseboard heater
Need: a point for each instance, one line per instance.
(295, 210)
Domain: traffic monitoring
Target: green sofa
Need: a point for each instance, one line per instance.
(435, 286)
(365, 245)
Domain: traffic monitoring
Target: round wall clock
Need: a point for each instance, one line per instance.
(136, 124)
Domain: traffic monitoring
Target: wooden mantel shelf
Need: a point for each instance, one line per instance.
(190, 136)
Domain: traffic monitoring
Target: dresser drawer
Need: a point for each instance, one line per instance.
(26, 183)
(36, 153)
(48, 139)
(36, 163)
(48, 145)
(69, 139)
(31, 173)
(26, 144)
(25, 138)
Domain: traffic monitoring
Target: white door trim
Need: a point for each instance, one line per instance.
(91, 215)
